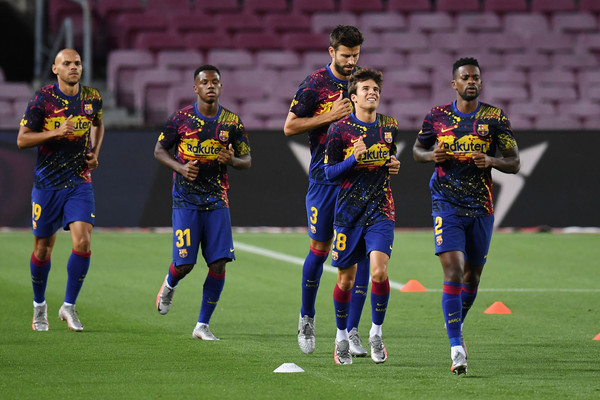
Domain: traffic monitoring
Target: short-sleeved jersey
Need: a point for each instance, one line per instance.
(197, 137)
(458, 186)
(61, 162)
(365, 195)
(315, 96)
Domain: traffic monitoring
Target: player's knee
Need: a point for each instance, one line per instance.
(42, 253)
(218, 267)
(183, 270)
(82, 244)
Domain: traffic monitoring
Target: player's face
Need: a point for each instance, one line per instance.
(367, 95)
(344, 59)
(467, 82)
(208, 86)
(67, 67)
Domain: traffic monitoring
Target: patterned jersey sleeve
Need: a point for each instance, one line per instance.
(169, 137)
(305, 101)
(241, 143)
(504, 134)
(334, 152)
(34, 114)
(427, 135)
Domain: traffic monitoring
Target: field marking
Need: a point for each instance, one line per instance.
(396, 285)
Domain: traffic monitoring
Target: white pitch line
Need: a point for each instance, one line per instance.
(396, 285)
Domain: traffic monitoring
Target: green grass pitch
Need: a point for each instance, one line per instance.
(544, 349)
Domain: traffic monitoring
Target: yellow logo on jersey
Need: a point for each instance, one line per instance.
(183, 253)
(192, 149)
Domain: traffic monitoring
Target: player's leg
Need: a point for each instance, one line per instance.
(449, 247)
(186, 240)
(357, 302)
(320, 205)
(217, 249)
(379, 240)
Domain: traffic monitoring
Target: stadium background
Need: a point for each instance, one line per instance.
(539, 60)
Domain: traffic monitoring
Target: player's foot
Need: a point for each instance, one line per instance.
(378, 352)
(306, 334)
(164, 298)
(356, 348)
(71, 316)
(202, 332)
(459, 360)
(341, 354)
(40, 318)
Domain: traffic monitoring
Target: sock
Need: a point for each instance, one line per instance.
(311, 276)
(77, 268)
(359, 293)
(380, 294)
(375, 330)
(213, 286)
(39, 277)
(452, 308)
(174, 277)
(341, 302)
(467, 297)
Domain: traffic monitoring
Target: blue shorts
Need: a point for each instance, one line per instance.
(210, 230)
(353, 244)
(471, 235)
(53, 209)
(320, 210)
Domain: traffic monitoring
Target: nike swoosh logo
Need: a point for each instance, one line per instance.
(93, 215)
(231, 250)
(446, 129)
(357, 139)
(59, 111)
(187, 134)
(454, 313)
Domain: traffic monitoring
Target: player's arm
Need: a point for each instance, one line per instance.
(188, 170)
(96, 139)
(227, 157)
(295, 125)
(435, 153)
(29, 138)
(509, 163)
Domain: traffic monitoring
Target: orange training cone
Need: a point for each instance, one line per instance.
(498, 308)
(597, 337)
(413, 286)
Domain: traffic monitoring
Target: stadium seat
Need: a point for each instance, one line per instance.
(281, 23)
(503, 42)
(221, 6)
(412, 112)
(582, 22)
(579, 109)
(264, 109)
(552, 6)
(150, 91)
(526, 24)
(556, 123)
(181, 60)
(553, 93)
(504, 93)
(382, 22)
(265, 6)
(578, 61)
(431, 22)
(277, 59)
(405, 41)
(206, 40)
(109, 9)
(505, 5)
(551, 43)
(589, 82)
(316, 59)
(529, 60)
(326, 22)
(415, 80)
(121, 66)
(230, 59)
(589, 5)
(382, 60)
(457, 6)
(168, 7)
(186, 21)
(129, 25)
(589, 42)
(478, 22)
(275, 123)
(505, 75)
(179, 95)
(455, 43)
(257, 41)
(519, 122)
(313, 6)
(405, 6)
(530, 109)
(360, 6)
(157, 41)
(239, 22)
(432, 60)
(300, 41)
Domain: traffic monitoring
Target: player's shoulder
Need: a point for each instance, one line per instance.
(386, 120)
(46, 91)
(486, 108)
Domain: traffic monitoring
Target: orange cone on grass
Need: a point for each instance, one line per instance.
(498, 308)
(597, 337)
(413, 286)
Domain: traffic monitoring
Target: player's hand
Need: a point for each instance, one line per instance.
(226, 155)
(66, 127)
(360, 149)
(340, 108)
(440, 154)
(393, 165)
(91, 160)
(482, 160)
(190, 170)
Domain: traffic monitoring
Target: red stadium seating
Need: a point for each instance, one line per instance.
(312, 6)
(306, 41)
(326, 22)
(206, 41)
(431, 22)
(156, 41)
(552, 6)
(281, 23)
(360, 6)
(121, 67)
(182, 60)
(479, 22)
(132, 24)
(409, 6)
(150, 89)
(277, 59)
(457, 5)
(382, 22)
(266, 6)
(505, 5)
(583, 22)
(589, 5)
(257, 41)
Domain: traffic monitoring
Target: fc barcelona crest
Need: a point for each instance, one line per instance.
(88, 109)
(183, 253)
(387, 136)
(439, 240)
(483, 129)
(223, 136)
